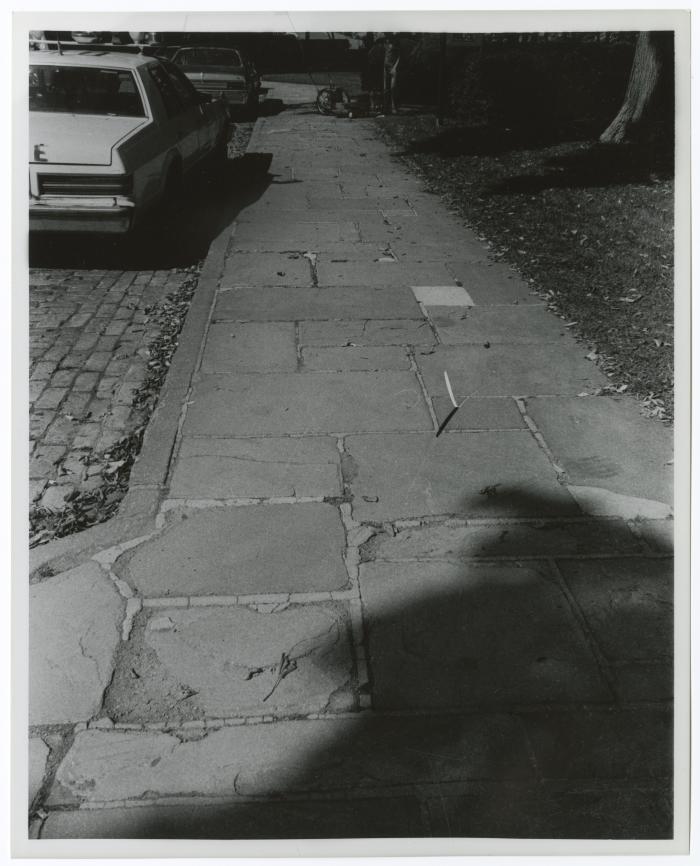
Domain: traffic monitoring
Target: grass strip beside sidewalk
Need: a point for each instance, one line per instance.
(590, 226)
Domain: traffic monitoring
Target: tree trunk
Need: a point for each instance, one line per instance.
(643, 81)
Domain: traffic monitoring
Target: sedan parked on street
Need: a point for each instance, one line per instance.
(222, 72)
(111, 134)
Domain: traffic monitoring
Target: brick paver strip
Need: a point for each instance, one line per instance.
(72, 350)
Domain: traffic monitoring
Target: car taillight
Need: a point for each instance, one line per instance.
(85, 184)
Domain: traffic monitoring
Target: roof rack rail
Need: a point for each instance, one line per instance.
(128, 48)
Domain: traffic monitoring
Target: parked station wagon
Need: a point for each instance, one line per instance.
(111, 134)
(222, 72)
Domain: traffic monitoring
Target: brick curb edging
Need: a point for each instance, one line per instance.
(137, 511)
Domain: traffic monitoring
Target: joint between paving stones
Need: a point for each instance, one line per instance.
(172, 504)
(347, 595)
(424, 391)
(601, 661)
(520, 402)
(297, 346)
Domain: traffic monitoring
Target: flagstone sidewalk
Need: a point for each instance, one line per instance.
(321, 619)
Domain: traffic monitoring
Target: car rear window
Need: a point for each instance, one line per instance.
(208, 57)
(84, 90)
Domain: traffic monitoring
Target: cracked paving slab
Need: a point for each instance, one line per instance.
(348, 358)
(478, 474)
(501, 370)
(250, 347)
(278, 403)
(341, 818)
(286, 757)
(38, 754)
(604, 442)
(507, 636)
(335, 302)
(455, 540)
(258, 468)
(231, 551)
(266, 269)
(382, 332)
(218, 662)
(74, 629)
(628, 605)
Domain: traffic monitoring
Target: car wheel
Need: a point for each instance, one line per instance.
(324, 101)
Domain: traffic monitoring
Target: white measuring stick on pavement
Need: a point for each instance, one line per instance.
(449, 391)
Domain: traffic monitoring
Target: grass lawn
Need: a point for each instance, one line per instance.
(590, 226)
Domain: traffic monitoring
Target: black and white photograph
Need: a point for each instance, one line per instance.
(357, 373)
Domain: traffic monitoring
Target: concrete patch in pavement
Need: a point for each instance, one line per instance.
(496, 474)
(525, 323)
(341, 754)
(74, 629)
(509, 370)
(605, 442)
(506, 636)
(250, 347)
(256, 468)
(328, 359)
(442, 296)
(628, 605)
(217, 662)
(390, 302)
(378, 332)
(228, 551)
(288, 403)
(266, 269)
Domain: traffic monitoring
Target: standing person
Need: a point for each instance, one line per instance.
(375, 72)
(392, 57)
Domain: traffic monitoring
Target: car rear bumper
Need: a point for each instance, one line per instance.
(109, 215)
(231, 97)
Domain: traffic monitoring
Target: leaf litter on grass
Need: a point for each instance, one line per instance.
(589, 226)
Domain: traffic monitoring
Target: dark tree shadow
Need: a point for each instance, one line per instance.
(506, 699)
(593, 164)
(176, 238)
(480, 141)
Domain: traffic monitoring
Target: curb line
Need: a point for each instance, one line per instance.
(149, 472)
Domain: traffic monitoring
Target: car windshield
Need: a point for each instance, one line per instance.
(208, 57)
(84, 90)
